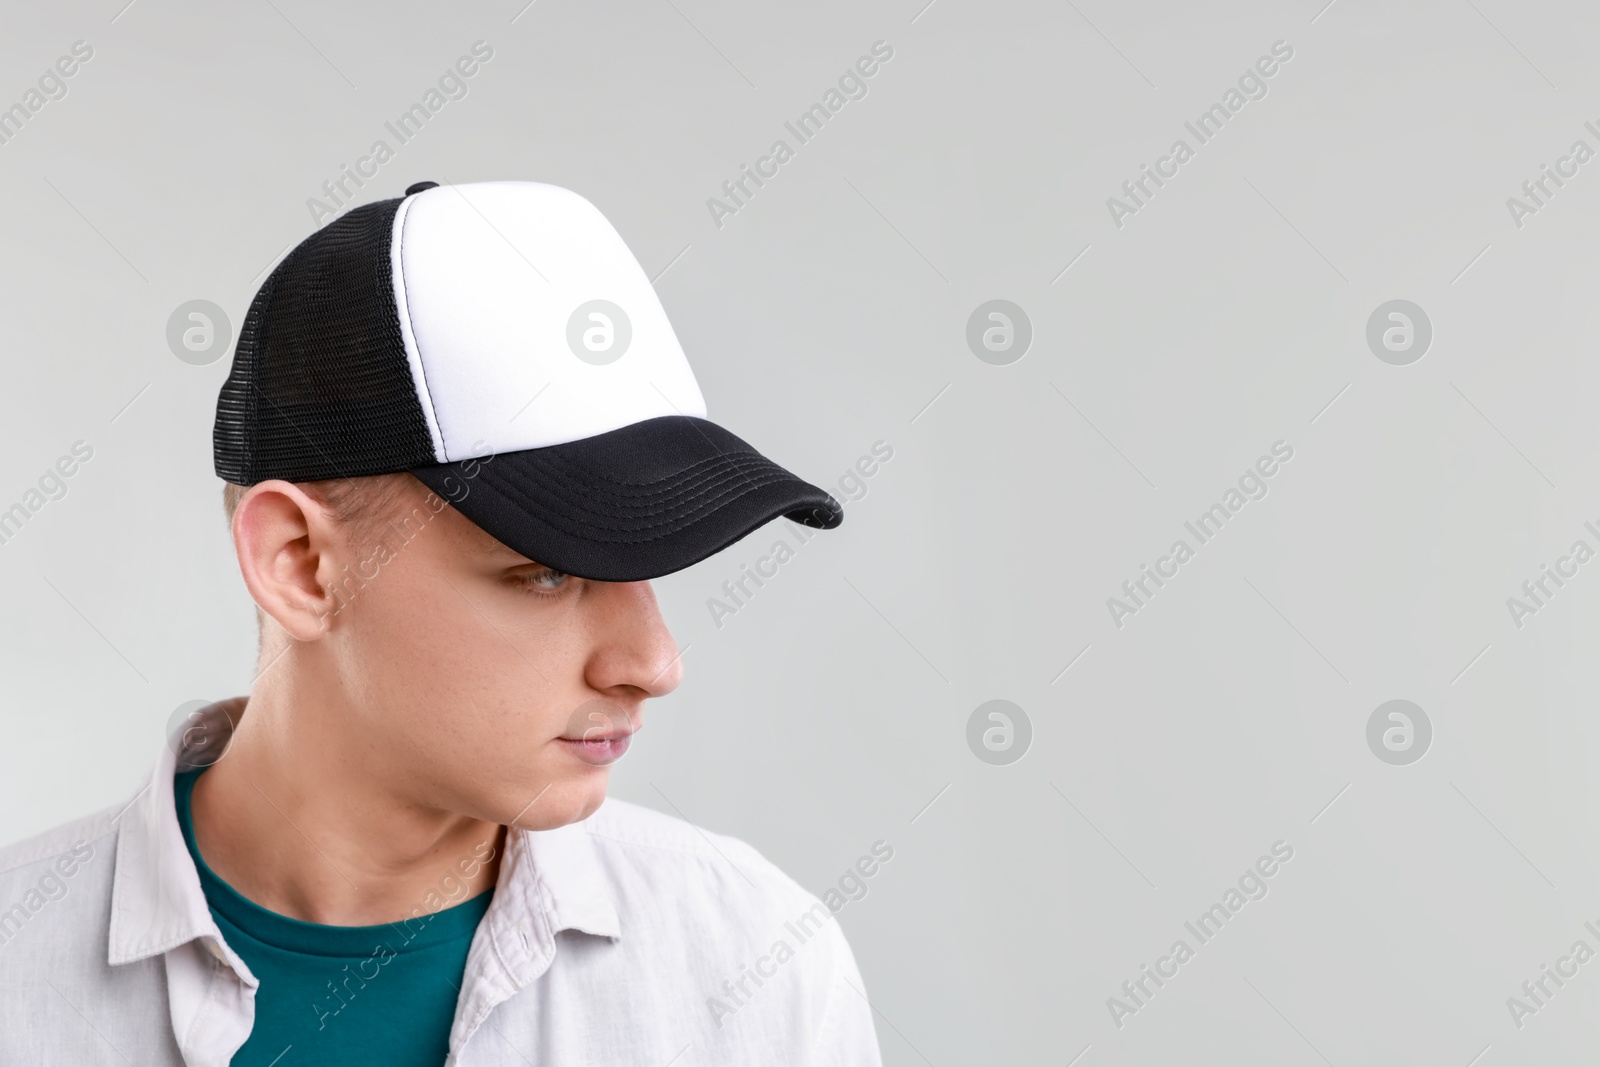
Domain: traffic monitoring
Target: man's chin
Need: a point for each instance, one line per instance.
(567, 801)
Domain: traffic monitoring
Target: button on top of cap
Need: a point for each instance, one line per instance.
(412, 190)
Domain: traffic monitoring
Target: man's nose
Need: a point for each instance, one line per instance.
(634, 649)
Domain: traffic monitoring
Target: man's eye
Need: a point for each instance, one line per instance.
(546, 580)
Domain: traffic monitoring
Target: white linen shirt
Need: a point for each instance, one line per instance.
(627, 938)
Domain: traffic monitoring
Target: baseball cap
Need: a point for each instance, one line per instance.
(499, 341)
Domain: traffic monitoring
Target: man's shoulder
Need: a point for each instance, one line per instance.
(754, 954)
(67, 845)
(55, 897)
(675, 875)
(679, 853)
(635, 826)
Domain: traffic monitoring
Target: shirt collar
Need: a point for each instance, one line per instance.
(156, 900)
(549, 881)
(560, 870)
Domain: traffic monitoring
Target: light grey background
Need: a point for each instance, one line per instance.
(1228, 314)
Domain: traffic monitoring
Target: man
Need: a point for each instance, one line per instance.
(459, 437)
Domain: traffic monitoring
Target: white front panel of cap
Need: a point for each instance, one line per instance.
(532, 322)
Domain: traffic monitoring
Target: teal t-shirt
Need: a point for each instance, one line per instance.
(341, 994)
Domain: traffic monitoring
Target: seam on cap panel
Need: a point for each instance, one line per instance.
(697, 500)
(419, 373)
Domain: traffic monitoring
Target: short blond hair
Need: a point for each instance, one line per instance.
(356, 503)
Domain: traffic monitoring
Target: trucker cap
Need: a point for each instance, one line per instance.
(498, 341)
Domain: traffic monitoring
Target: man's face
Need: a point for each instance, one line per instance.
(489, 685)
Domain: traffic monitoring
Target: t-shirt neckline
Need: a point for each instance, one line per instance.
(454, 923)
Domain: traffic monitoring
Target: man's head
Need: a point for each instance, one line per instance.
(439, 403)
(472, 678)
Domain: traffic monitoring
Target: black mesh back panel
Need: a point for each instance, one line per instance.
(320, 387)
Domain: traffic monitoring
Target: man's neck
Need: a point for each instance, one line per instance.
(304, 817)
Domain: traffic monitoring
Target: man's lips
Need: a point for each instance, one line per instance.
(599, 747)
(598, 730)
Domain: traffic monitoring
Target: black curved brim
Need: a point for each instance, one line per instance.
(632, 504)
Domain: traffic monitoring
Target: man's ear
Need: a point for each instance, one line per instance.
(287, 544)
